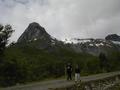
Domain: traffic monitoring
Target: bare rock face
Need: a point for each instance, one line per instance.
(34, 32)
(113, 37)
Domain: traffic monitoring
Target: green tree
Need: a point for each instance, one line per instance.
(5, 33)
(104, 63)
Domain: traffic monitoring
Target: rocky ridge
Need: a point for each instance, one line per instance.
(37, 36)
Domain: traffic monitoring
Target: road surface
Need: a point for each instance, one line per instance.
(49, 85)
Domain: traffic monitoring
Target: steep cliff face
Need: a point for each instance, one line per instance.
(34, 32)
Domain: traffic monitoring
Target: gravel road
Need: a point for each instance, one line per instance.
(48, 85)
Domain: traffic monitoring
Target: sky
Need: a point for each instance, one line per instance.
(63, 18)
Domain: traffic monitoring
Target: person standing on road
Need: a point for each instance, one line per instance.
(77, 74)
(69, 71)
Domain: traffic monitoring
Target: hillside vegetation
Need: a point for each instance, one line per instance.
(29, 64)
(37, 56)
(22, 65)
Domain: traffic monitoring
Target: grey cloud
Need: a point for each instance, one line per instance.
(63, 18)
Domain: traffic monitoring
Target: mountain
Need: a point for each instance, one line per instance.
(34, 32)
(113, 37)
(93, 46)
(36, 36)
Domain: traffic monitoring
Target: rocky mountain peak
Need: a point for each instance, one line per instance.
(34, 32)
(113, 37)
(35, 25)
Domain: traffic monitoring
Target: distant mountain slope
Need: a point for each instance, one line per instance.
(113, 37)
(93, 46)
(37, 37)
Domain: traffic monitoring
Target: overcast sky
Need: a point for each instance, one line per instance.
(63, 18)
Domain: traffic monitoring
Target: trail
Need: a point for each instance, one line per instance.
(49, 85)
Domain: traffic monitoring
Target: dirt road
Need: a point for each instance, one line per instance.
(48, 85)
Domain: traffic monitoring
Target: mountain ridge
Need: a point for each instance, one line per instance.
(37, 36)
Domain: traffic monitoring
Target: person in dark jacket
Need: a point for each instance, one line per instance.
(69, 71)
(77, 74)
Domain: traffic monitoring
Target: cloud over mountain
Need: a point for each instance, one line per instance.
(63, 18)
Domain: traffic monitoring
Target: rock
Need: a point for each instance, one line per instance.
(34, 32)
(113, 37)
